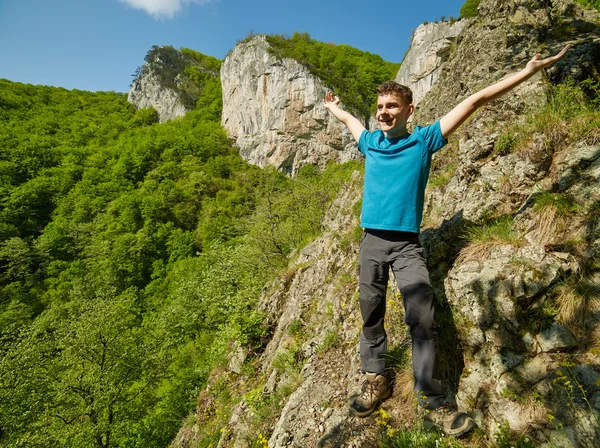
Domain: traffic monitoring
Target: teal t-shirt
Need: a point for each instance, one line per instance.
(396, 173)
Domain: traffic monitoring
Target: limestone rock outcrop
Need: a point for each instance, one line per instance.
(273, 110)
(147, 91)
(164, 84)
(430, 47)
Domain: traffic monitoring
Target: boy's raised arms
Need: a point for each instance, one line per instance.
(453, 119)
(353, 124)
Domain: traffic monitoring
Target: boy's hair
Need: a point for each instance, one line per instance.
(393, 88)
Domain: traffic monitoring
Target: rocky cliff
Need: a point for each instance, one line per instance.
(431, 46)
(512, 232)
(164, 82)
(147, 91)
(273, 110)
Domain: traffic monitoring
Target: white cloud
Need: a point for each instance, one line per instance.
(162, 9)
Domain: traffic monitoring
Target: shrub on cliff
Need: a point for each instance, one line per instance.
(590, 4)
(469, 9)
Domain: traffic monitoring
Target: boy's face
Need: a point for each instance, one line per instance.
(392, 115)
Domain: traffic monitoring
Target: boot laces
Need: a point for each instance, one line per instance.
(370, 389)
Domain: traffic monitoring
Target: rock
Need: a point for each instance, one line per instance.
(273, 110)
(588, 377)
(488, 298)
(163, 85)
(431, 45)
(529, 341)
(557, 338)
(236, 359)
(535, 369)
(595, 400)
(147, 92)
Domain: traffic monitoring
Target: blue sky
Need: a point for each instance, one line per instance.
(97, 44)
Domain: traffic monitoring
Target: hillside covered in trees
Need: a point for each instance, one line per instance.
(132, 254)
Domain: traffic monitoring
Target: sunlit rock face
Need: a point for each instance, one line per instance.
(165, 84)
(273, 111)
(431, 46)
(146, 91)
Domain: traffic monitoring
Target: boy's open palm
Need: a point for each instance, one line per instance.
(537, 64)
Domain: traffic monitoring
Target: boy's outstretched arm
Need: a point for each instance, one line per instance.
(352, 123)
(453, 119)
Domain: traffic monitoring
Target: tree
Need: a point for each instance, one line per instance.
(469, 9)
(81, 375)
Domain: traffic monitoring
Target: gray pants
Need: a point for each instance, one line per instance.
(380, 250)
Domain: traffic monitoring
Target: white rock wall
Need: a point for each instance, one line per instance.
(146, 91)
(431, 45)
(273, 110)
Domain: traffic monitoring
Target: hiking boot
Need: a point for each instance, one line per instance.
(374, 389)
(449, 421)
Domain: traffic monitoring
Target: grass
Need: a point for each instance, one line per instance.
(416, 437)
(575, 301)
(331, 340)
(288, 361)
(295, 328)
(443, 166)
(590, 4)
(553, 216)
(443, 176)
(505, 144)
(484, 238)
(571, 114)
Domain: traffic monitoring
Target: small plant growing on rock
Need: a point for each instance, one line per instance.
(578, 410)
(287, 361)
(295, 328)
(484, 238)
(505, 439)
(553, 216)
(506, 143)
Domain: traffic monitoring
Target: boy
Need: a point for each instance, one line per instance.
(397, 167)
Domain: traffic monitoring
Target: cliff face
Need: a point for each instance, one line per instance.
(508, 300)
(430, 47)
(273, 110)
(164, 82)
(519, 312)
(147, 91)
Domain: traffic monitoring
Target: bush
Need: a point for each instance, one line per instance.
(469, 9)
(590, 4)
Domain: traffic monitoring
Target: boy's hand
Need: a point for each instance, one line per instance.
(330, 100)
(537, 64)
(355, 127)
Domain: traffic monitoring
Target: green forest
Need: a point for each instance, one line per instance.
(132, 257)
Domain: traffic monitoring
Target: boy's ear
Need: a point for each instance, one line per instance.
(410, 116)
